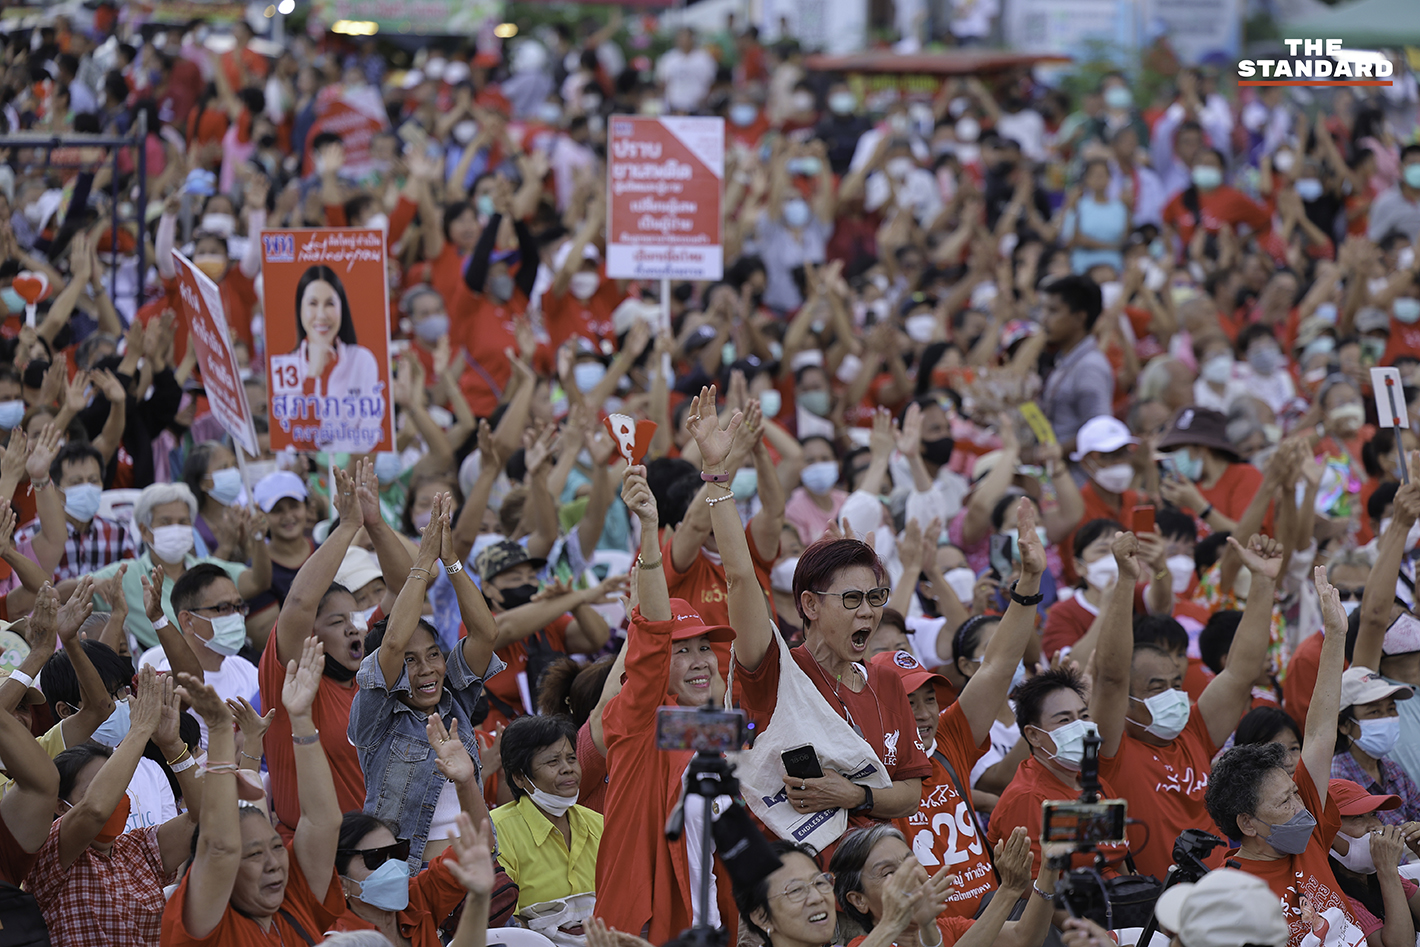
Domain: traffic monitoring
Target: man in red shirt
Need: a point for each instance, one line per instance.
(1156, 745)
(580, 300)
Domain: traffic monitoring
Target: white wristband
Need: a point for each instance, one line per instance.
(161, 623)
(454, 569)
(21, 678)
(186, 764)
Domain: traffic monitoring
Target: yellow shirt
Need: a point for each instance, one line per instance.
(535, 854)
(53, 743)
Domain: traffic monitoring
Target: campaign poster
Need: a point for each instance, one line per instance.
(357, 116)
(327, 340)
(665, 180)
(207, 330)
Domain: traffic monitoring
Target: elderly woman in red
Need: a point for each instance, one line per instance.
(840, 591)
(668, 659)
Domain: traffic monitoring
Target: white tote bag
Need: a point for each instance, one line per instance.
(549, 917)
(801, 716)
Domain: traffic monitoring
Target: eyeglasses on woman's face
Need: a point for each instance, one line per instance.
(854, 597)
(797, 892)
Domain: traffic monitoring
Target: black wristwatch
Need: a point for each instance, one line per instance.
(867, 805)
(1027, 600)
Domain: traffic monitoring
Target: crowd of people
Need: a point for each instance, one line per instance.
(1067, 400)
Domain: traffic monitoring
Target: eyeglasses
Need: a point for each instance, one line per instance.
(797, 892)
(224, 608)
(122, 693)
(854, 597)
(375, 857)
(1349, 595)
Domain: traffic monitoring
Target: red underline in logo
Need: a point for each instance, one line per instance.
(1317, 85)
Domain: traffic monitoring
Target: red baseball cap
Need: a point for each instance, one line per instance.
(915, 675)
(689, 624)
(1351, 799)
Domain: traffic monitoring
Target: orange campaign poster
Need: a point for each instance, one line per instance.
(207, 328)
(664, 181)
(327, 340)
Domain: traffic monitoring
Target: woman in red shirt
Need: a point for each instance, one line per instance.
(1212, 204)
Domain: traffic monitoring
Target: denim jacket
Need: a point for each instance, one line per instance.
(402, 783)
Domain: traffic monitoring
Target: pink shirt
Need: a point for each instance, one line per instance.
(802, 513)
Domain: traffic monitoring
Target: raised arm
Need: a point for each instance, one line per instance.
(1227, 696)
(175, 835)
(97, 705)
(390, 551)
(1379, 597)
(175, 647)
(490, 463)
(298, 614)
(213, 872)
(982, 697)
(651, 589)
(404, 617)
(53, 532)
(481, 629)
(1114, 651)
(593, 522)
(472, 867)
(82, 823)
(28, 808)
(1319, 741)
(767, 525)
(718, 447)
(318, 830)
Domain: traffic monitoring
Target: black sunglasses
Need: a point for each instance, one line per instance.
(375, 857)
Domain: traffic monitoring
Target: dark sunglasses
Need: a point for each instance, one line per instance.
(1348, 595)
(375, 857)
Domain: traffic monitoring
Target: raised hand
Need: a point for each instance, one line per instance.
(74, 612)
(488, 452)
(901, 894)
(446, 535)
(298, 694)
(932, 898)
(252, 724)
(204, 699)
(606, 591)
(882, 441)
(43, 626)
(342, 495)
(7, 526)
(1013, 860)
(1333, 616)
(909, 442)
(453, 759)
(367, 491)
(169, 732)
(76, 396)
(1387, 844)
(147, 705)
(110, 385)
(600, 446)
(1262, 556)
(152, 594)
(472, 864)
(431, 537)
(538, 449)
(12, 461)
(704, 425)
(42, 451)
(1125, 547)
(1028, 540)
(637, 496)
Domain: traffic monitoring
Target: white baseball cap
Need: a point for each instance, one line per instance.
(1104, 434)
(1227, 908)
(275, 486)
(1361, 685)
(358, 569)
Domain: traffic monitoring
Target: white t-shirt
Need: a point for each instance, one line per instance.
(235, 678)
(687, 78)
(1003, 741)
(150, 797)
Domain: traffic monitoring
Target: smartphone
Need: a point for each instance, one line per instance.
(1141, 520)
(1002, 554)
(802, 763)
(699, 729)
(1092, 823)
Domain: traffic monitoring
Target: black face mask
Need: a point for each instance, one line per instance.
(939, 451)
(517, 595)
(337, 671)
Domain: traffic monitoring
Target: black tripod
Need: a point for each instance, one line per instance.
(708, 776)
(1189, 850)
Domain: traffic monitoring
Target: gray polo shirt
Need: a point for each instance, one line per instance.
(1080, 387)
(1391, 211)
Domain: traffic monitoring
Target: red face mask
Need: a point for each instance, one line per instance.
(116, 823)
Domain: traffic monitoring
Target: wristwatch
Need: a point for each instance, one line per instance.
(867, 804)
(1027, 600)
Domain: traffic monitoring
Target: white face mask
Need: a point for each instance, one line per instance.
(172, 543)
(1069, 743)
(223, 225)
(1170, 711)
(963, 582)
(583, 284)
(781, 577)
(1181, 571)
(555, 806)
(1102, 573)
(1115, 478)
(1358, 856)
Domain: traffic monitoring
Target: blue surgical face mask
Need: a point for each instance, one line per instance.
(588, 375)
(431, 329)
(387, 887)
(12, 412)
(1206, 177)
(1378, 737)
(483, 205)
(226, 485)
(111, 732)
(819, 478)
(387, 467)
(1183, 463)
(14, 302)
(815, 402)
(743, 113)
(1309, 189)
(770, 401)
(745, 485)
(81, 500)
(796, 212)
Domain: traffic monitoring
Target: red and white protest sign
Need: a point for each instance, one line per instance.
(665, 178)
(208, 332)
(357, 116)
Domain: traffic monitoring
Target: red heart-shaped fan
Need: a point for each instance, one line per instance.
(632, 437)
(31, 286)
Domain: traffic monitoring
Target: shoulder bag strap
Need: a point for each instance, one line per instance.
(940, 757)
(300, 931)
